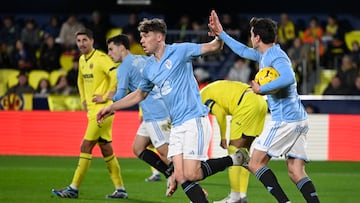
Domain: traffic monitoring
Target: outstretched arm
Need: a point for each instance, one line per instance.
(128, 101)
(214, 24)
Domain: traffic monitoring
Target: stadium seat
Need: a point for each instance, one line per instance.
(327, 75)
(352, 36)
(54, 76)
(35, 76)
(113, 32)
(8, 78)
(66, 61)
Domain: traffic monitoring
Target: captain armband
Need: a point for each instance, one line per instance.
(209, 103)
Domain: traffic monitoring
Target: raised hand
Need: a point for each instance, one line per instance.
(214, 24)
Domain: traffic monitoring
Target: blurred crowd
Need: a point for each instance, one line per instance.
(313, 46)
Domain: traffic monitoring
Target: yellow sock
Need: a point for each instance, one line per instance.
(238, 175)
(83, 165)
(115, 171)
(234, 172)
(244, 180)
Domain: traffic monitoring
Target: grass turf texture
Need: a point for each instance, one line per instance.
(30, 179)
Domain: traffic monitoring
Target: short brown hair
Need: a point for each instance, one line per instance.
(85, 31)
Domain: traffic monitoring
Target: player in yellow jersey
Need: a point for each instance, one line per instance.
(97, 85)
(248, 111)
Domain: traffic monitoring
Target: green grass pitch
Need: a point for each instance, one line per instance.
(28, 179)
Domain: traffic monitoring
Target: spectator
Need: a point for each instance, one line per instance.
(335, 87)
(99, 24)
(67, 33)
(335, 50)
(299, 57)
(229, 24)
(9, 33)
(43, 88)
(62, 87)
(50, 52)
(239, 71)
(30, 35)
(183, 25)
(354, 53)
(131, 26)
(356, 89)
(22, 87)
(72, 75)
(23, 58)
(5, 57)
(347, 73)
(52, 27)
(135, 46)
(312, 35)
(286, 31)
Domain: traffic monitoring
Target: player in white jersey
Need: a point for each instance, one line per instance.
(286, 133)
(155, 126)
(170, 69)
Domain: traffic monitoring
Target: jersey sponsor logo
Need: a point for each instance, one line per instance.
(166, 88)
(88, 76)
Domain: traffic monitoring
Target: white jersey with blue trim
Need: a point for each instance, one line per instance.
(284, 105)
(128, 79)
(174, 76)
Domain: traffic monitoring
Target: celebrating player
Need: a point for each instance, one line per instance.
(170, 69)
(286, 133)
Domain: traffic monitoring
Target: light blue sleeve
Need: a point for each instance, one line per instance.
(122, 76)
(240, 48)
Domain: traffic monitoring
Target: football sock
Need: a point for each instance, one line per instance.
(154, 160)
(82, 167)
(307, 189)
(212, 166)
(115, 171)
(269, 180)
(194, 192)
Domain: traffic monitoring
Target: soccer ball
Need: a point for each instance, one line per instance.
(266, 75)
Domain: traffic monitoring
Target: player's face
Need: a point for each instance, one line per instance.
(254, 39)
(84, 44)
(114, 52)
(149, 41)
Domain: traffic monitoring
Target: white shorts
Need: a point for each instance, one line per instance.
(157, 131)
(284, 139)
(192, 139)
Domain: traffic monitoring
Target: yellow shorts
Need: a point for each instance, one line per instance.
(99, 132)
(249, 117)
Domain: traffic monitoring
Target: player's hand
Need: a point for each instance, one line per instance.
(214, 24)
(104, 113)
(255, 87)
(223, 144)
(98, 98)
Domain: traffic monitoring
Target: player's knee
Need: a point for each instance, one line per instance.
(193, 175)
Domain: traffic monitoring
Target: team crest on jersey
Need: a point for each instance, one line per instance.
(91, 66)
(168, 63)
